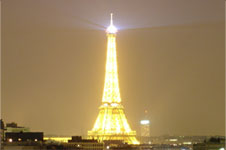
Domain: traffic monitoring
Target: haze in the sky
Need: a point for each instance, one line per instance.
(170, 60)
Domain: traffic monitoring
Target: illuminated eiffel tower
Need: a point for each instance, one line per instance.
(111, 123)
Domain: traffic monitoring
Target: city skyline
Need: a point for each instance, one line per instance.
(171, 64)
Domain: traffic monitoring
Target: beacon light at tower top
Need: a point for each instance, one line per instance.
(111, 29)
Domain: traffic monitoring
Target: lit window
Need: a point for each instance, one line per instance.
(144, 122)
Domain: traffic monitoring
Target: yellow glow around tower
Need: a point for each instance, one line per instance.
(111, 123)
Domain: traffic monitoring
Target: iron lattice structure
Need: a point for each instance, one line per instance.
(111, 123)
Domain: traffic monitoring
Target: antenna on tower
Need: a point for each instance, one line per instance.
(111, 29)
(111, 18)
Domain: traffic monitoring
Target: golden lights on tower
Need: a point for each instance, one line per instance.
(111, 123)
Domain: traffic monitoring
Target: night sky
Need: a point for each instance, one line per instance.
(170, 60)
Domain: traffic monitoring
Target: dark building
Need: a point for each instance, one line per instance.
(2, 125)
(23, 136)
(77, 142)
(12, 125)
(214, 143)
(79, 139)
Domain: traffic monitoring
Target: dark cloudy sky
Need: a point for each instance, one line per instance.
(170, 60)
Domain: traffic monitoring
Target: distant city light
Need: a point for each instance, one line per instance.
(58, 139)
(173, 140)
(10, 140)
(144, 122)
(189, 143)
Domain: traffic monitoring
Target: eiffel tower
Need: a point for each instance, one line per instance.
(111, 123)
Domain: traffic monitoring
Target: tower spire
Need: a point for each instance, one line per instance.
(111, 29)
(111, 19)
